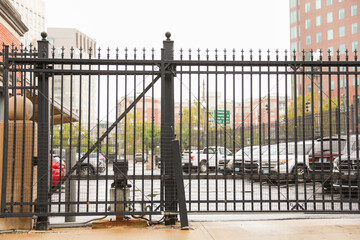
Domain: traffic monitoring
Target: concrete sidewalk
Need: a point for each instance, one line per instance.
(339, 229)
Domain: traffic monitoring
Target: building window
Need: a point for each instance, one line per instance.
(292, 3)
(308, 88)
(343, 83)
(354, 28)
(341, 13)
(342, 48)
(318, 37)
(293, 32)
(293, 16)
(330, 34)
(354, 46)
(307, 23)
(353, 10)
(318, 20)
(299, 31)
(329, 2)
(331, 49)
(307, 7)
(341, 31)
(299, 45)
(307, 40)
(329, 17)
(318, 4)
(332, 85)
(299, 15)
(353, 81)
(341, 0)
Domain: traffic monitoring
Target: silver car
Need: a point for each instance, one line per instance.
(94, 164)
(347, 173)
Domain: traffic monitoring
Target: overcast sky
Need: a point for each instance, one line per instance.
(230, 24)
(193, 23)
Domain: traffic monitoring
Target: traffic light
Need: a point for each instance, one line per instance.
(267, 107)
(308, 106)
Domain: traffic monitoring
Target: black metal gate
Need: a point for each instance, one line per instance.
(257, 132)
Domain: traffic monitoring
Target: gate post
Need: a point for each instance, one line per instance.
(167, 132)
(43, 139)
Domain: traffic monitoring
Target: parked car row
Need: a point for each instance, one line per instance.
(337, 156)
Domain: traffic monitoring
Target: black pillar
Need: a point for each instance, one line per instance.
(167, 131)
(43, 139)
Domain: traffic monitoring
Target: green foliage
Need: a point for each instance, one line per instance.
(63, 133)
(139, 134)
(315, 99)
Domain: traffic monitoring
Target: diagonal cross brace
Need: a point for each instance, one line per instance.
(56, 187)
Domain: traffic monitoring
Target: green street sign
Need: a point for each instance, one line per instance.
(220, 115)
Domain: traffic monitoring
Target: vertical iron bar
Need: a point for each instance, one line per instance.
(347, 128)
(32, 92)
(277, 123)
(143, 141)
(23, 93)
(304, 138)
(89, 128)
(242, 170)
(330, 117)
(61, 126)
(286, 131)
(134, 138)
(198, 128)
(216, 131)
(357, 126)
(107, 137)
(234, 133)
(225, 130)
(260, 142)
(252, 134)
(97, 132)
(152, 136)
(190, 128)
(5, 127)
(339, 125)
(207, 129)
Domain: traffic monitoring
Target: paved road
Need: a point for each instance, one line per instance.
(214, 195)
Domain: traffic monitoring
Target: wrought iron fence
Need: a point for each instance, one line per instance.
(257, 132)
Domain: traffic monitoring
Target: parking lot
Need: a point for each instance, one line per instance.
(208, 192)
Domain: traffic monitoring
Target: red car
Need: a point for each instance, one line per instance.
(56, 171)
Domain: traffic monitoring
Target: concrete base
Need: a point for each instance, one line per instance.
(131, 223)
(18, 223)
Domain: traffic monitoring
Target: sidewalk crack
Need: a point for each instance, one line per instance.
(207, 231)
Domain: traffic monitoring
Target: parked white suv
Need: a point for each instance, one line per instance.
(207, 158)
(283, 159)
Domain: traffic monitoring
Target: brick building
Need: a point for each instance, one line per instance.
(330, 25)
(11, 26)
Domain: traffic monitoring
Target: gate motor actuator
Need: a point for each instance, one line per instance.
(120, 189)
